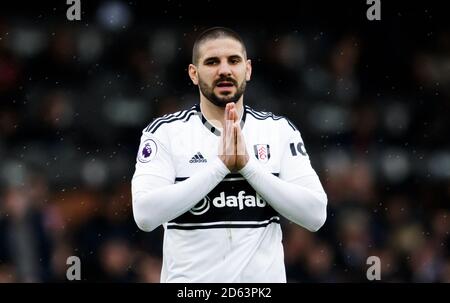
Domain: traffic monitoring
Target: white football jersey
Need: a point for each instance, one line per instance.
(232, 235)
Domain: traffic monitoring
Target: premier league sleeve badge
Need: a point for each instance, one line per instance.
(147, 151)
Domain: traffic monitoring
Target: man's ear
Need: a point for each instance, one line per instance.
(192, 70)
(248, 68)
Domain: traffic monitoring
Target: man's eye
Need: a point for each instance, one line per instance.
(210, 62)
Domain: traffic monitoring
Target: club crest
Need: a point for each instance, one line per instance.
(262, 152)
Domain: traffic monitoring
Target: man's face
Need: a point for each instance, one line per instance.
(222, 71)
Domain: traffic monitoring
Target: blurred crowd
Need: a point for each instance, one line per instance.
(74, 99)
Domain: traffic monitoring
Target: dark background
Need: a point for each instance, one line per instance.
(371, 99)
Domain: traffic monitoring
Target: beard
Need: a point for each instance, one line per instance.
(222, 100)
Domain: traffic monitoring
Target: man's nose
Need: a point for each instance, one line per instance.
(224, 69)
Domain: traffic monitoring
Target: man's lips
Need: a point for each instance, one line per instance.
(225, 87)
(225, 84)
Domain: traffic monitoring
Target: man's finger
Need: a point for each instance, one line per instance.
(225, 127)
(228, 108)
(231, 133)
(240, 143)
(233, 111)
(237, 134)
(233, 114)
(230, 138)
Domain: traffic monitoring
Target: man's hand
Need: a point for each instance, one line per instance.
(241, 150)
(227, 145)
(232, 150)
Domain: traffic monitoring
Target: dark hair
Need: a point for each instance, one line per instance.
(215, 33)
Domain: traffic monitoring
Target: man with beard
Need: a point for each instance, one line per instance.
(218, 176)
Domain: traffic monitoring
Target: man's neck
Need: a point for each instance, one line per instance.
(215, 114)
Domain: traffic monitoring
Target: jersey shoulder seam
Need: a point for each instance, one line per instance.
(262, 115)
(183, 115)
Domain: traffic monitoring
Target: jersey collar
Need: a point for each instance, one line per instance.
(210, 127)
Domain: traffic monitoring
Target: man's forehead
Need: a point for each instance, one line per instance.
(221, 47)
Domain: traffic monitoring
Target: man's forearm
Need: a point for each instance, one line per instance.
(154, 204)
(297, 203)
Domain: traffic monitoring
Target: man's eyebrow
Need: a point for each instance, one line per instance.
(217, 58)
(235, 56)
(210, 58)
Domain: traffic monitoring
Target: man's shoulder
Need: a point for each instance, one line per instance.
(269, 117)
(170, 119)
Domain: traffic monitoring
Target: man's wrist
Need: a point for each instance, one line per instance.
(220, 167)
(250, 168)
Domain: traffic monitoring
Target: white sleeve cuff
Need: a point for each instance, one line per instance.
(250, 168)
(220, 168)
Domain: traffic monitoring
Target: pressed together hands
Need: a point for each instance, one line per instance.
(232, 150)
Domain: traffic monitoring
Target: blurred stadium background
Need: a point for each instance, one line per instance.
(371, 99)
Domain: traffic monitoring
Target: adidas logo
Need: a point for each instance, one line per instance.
(198, 158)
